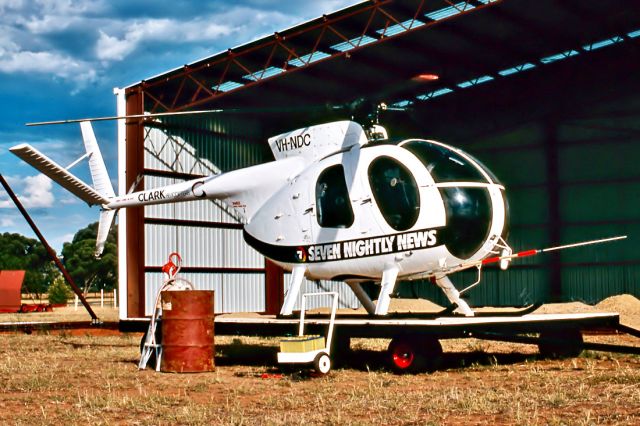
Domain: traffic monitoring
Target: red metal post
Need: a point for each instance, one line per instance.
(274, 288)
(135, 216)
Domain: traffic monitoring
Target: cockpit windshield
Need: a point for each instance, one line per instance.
(445, 164)
(467, 205)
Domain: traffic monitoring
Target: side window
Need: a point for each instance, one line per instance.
(332, 199)
(395, 192)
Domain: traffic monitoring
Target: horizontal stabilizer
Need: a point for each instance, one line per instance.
(58, 174)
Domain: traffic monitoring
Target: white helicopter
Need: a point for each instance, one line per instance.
(340, 202)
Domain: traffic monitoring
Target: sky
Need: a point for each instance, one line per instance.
(61, 59)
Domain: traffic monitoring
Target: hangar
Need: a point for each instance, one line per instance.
(544, 93)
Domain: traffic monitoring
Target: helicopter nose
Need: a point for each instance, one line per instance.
(469, 217)
(507, 217)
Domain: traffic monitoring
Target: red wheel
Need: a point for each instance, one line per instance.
(402, 355)
(414, 354)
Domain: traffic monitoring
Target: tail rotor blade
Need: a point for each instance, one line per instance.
(101, 181)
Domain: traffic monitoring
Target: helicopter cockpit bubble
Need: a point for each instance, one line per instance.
(463, 183)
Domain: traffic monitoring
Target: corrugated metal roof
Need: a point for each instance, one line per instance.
(364, 49)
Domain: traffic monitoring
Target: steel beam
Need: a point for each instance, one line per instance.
(552, 168)
(279, 46)
(135, 216)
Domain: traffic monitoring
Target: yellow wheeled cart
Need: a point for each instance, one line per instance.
(307, 349)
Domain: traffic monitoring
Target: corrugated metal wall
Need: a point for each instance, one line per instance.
(346, 298)
(214, 255)
(234, 292)
(203, 147)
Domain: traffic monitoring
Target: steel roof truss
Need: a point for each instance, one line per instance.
(193, 90)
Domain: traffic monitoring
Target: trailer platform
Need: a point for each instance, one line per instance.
(415, 340)
(442, 328)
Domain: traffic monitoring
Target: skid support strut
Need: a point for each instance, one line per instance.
(453, 295)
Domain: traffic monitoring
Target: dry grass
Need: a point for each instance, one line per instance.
(64, 314)
(68, 379)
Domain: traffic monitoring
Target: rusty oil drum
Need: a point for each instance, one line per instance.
(187, 331)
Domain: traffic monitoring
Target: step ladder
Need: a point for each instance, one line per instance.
(151, 346)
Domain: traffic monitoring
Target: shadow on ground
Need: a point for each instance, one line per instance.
(364, 360)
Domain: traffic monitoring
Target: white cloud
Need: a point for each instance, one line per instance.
(37, 192)
(7, 222)
(59, 241)
(43, 62)
(14, 59)
(114, 48)
(79, 41)
(32, 191)
(51, 16)
(9, 5)
(69, 200)
(48, 24)
(66, 7)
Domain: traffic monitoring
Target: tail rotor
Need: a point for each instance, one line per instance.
(102, 190)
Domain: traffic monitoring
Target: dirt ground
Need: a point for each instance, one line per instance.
(73, 378)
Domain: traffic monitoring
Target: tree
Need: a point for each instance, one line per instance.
(18, 252)
(87, 271)
(59, 291)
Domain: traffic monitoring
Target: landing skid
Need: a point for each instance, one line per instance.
(448, 312)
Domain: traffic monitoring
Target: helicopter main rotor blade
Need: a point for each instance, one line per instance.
(122, 117)
(326, 107)
(353, 107)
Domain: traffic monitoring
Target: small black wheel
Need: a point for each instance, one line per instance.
(566, 343)
(431, 350)
(340, 349)
(322, 363)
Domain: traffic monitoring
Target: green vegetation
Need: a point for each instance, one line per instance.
(59, 291)
(18, 252)
(88, 272)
